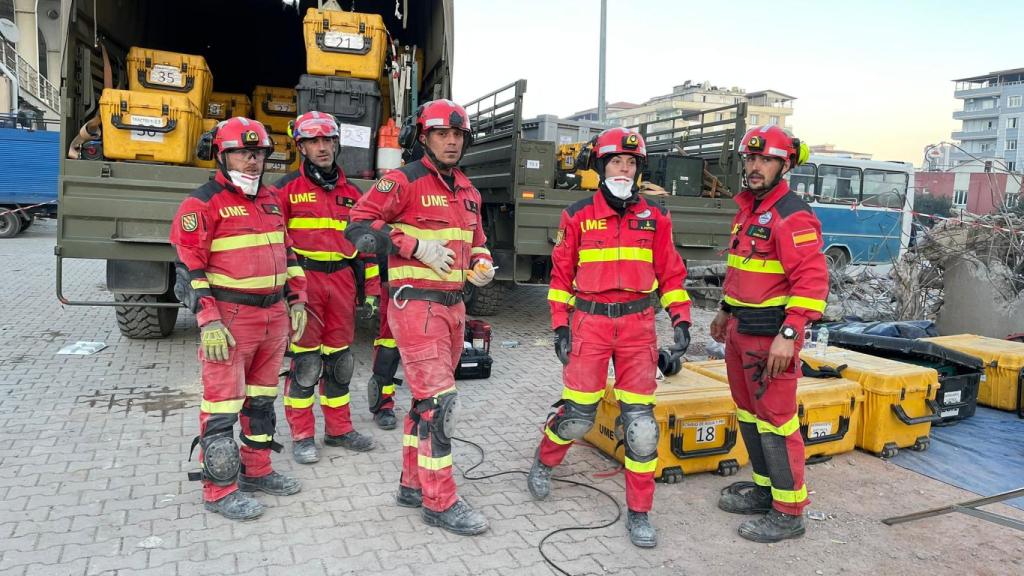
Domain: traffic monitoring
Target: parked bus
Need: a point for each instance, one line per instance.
(864, 206)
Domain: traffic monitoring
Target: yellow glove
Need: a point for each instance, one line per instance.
(481, 274)
(298, 316)
(216, 341)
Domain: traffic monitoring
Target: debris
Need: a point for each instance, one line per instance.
(151, 542)
(815, 515)
(509, 343)
(82, 348)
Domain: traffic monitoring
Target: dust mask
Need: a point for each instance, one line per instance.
(248, 184)
(619, 186)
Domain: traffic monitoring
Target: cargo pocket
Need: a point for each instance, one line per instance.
(419, 353)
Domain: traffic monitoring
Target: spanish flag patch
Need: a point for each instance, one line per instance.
(804, 237)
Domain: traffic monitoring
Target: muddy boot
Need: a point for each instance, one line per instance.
(773, 527)
(745, 498)
(409, 497)
(641, 532)
(352, 441)
(275, 483)
(236, 506)
(538, 482)
(460, 518)
(385, 419)
(304, 451)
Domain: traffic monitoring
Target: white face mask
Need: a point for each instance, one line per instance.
(620, 186)
(249, 184)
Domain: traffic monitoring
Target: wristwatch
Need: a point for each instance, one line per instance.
(788, 332)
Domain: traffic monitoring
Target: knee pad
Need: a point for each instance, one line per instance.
(639, 431)
(221, 462)
(306, 368)
(575, 420)
(442, 423)
(339, 366)
(385, 364)
(375, 393)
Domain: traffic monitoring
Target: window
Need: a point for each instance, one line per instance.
(1010, 201)
(1011, 122)
(802, 181)
(839, 185)
(773, 120)
(1014, 101)
(1011, 165)
(960, 198)
(753, 119)
(985, 146)
(1011, 144)
(884, 189)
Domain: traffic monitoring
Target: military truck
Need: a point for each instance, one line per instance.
(522, 204)
(120, 212)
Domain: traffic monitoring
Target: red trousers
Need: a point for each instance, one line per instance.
(245, 384)
(385, 352)
(631, 342)
(770, 425)
(429, 337)
(329, 329)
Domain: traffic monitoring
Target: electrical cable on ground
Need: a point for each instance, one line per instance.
(540, 545)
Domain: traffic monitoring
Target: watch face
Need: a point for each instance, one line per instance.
(788, 332)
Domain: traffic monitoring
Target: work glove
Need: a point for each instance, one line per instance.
(216, 341)
(297, 312)
(434, 254)
(368, 308)
(681, 335)
(563, 344)
(481, 274)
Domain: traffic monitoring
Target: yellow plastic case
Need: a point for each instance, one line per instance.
(345, 44)
(1002, 385)
(149, 126)
(285, 157)
(697, 425)
(275, 107)
(160, 71)
(224, 105)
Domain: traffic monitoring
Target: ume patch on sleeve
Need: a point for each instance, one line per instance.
(804, 237)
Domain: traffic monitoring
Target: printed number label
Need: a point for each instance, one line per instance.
(166, 75)
(533, 164)
(706, 434)
(819, 430)
(343, 41)
(147, 135)
(951, 397)
(470, 364)
(950, 413)
(281, 106)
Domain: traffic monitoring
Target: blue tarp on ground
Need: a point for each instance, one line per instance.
(983, 454)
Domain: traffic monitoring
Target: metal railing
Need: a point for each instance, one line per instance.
(29, 79)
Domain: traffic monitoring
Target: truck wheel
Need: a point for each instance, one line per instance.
(485, 301)
(140, 323)
(837, 257)
(26, 221)
(10, 224)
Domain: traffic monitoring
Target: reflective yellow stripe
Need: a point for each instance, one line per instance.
(790, 496)
(808, 303)
(222, 407)
(556, 295)
(584, 398)
(480, 250)
(641, 467)
(338, 402)
(246, 241)
(372, 271)
(270, 391)
(777, 301)
(316, 224)
(248, 283)
(331, 350)
(762, 480)
(445, 391)
(755, 265)
(385, 342)
(633, 398)
(784, 430)
(295, 272)
(300, 349)
(555, 438)
(674, 297)
(411, 440)
(434, 463)
(200, 284)
(442, 234)
(323, 256)
(388, 389)
(298, 403)
(744, 416)
(260, 437)
(613, 254)
(418, 273)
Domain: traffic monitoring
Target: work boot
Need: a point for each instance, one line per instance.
(236, 506)
(641, 532)
(409, 497)
(742, 498)
(460, 518)
(304, 451)
(275, 483)
(352, 441)
(385, 419)
(773, 527)
(539, 479)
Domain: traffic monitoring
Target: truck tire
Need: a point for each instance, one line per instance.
(10, 224)
(485, 301)
(140, 323)
(26, 221)
(838, 257)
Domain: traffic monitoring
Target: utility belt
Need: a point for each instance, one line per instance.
(444, 297)
(328, 267)
(259, 300)
(757, 321)
(614, 309)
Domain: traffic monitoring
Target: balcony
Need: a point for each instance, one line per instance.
(975, 114)
(29, 80)
(975, 135)
(979, 92)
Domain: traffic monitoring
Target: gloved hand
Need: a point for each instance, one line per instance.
(366, 244)
(681, 334)
(481, 274)
(216, 341)
(368, 308)
(297, 312)
(434, 254)
(563, 344)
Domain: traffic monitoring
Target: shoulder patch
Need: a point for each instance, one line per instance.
(791, 204)
(384, 185)
(190, 222)
(579, 205)
(414, 171)
(207, 191)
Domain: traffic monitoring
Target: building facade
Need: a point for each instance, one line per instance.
(30, 61)
(993, 109)
(970, 188)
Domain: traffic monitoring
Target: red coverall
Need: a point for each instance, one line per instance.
(600, 256)
(417, 204)
(316, 219)
(231, 245)
(774, 260)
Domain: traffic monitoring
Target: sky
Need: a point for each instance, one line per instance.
(870, 76)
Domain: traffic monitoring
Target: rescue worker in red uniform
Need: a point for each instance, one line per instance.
(775, 283)
(612, 253)
(316, 201)
(380, 390)
(426, 215)
(243, 283)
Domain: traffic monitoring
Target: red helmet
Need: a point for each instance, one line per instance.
(620, 141)
(775, 142)
(314, 125)
(442, 114)
(238, 132)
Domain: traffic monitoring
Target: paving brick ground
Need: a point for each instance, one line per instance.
(93, 462)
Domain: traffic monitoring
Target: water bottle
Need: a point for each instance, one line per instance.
(822, 341)
(808, 343)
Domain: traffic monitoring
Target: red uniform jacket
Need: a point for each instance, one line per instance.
(228, 240)
(418, 205)
(603, 257)
(775, 257)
